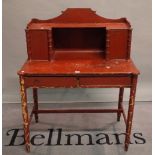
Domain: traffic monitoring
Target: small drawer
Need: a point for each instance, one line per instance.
(105, 81)
(50, 82)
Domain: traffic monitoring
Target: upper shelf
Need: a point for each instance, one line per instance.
(79, 17)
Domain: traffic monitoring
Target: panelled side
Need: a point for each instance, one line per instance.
(119, 41)
(37, 44)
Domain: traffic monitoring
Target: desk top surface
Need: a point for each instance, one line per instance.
(61, 66)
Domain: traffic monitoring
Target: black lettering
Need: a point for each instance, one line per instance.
(139, 137)
(59, 137)
(117, 136)
(50, 137)
(38, 136)
(14, 136)
(79, 139)
(101, 140)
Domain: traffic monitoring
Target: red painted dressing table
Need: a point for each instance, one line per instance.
(78, 49)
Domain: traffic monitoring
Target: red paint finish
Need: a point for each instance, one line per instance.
(118, 43)
(50, 82)
(79, 38)
(78, 49)
(104, 81)
(68, 63)
(38, 45)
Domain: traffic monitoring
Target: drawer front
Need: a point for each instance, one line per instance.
(72, 82)
(104, 81)
(50, 82)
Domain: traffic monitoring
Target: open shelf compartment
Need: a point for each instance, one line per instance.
(79, 42)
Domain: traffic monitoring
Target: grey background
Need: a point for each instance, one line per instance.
(17, 13)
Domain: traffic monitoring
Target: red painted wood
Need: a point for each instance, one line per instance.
(79, 17)
(118, 42)
(50, 82)
(104, 81)
(72, 82)
(78, 111)
(38, 45)
(78, 49)
(79, 38)
(68, 63)
(76, 29)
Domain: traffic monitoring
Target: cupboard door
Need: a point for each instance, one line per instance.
(37, 44)
(118, 47)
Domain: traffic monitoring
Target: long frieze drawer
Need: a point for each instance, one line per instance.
(104, 81)
(50, 82)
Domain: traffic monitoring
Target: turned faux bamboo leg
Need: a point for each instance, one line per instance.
(121, 92)
(25, 115)
(130, 111)
(35, 98)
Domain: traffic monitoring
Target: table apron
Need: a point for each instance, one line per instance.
(76, 82)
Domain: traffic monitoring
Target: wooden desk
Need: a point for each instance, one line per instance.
(77, 67)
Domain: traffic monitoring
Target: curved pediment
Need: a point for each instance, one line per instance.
(79, 15)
